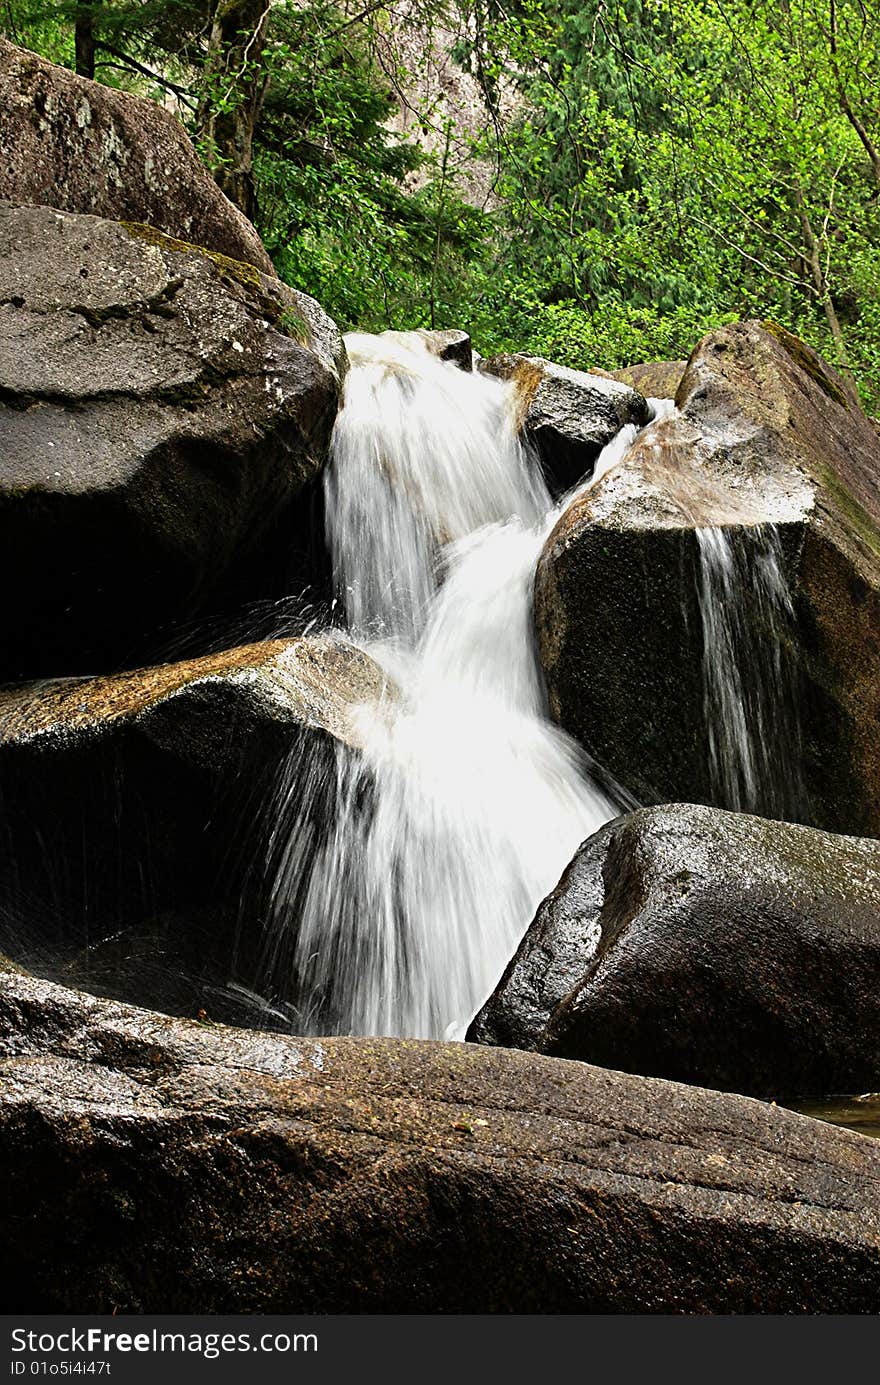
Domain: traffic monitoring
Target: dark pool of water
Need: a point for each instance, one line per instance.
(861, 1113)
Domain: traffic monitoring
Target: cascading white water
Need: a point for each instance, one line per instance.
(423, 454)
(466, 803)
(749, 677)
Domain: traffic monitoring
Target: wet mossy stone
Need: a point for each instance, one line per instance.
(143, 815)
(392, 1176)
(811, 362)
(708, 947)
(274, 301)
(162, 409)
(764, 437)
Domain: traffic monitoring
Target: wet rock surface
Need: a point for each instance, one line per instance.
(568, 416)
(137, 816)
(356, 1175)
(80, 146)
(767, 436)
(161, 411)
(708, 947)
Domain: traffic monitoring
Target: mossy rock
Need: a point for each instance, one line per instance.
(810, 362)
(287, 317)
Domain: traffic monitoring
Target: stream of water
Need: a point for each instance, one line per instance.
(465, 803)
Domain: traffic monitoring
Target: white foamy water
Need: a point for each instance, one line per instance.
(467, 803)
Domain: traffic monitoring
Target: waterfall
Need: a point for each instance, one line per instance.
(406, 871)
(750, 691)
(423, 454)
(465, 803)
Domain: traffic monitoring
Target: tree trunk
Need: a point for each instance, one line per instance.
(234, 86)
(861, 130)
(84, 39)
(823, 293)
(852, 116)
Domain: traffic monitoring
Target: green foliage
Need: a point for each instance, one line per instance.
(332, 207)
(676, 164)
(658, 167)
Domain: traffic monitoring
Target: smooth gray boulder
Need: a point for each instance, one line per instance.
(155, 1165)
(708, 947)
(79, 146)
(161, 409)
(566, 415)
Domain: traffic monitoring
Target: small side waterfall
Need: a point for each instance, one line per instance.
(749, 673)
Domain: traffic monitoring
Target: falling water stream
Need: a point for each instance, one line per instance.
(749, 673)
(464, 804)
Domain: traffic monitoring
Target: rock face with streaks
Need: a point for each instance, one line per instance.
(767, 436)
(567, 415)
(79, 146)
(385, 1176)
(138, 812)
(161, 411)
(708, 947)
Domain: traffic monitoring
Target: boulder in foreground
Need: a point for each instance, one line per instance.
(209, 1170)
(707, 947)
(142, 817)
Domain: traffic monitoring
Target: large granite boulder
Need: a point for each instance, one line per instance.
(161, 409)
(769, 462)
(155, 1165)
(142, 817)
(708, 947)
(568, 416)
(79, 146)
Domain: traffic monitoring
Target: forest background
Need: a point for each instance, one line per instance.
(597, 181)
